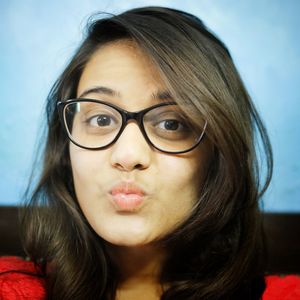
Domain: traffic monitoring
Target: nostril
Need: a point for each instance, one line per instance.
(139, 167)
(125, 167)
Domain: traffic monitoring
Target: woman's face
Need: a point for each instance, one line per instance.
(130, 193)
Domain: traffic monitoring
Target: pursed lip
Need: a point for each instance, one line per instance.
(127, 188)
(127, 196)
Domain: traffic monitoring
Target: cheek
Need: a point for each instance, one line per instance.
(179, 187)
(182, 178)
(85, 167)
(181, 173)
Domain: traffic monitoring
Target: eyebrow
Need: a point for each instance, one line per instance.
(100, 90)
(160, 95)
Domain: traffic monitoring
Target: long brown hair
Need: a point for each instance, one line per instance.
(218, 252)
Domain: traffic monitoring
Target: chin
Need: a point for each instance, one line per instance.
(126, 243)
(128, 239)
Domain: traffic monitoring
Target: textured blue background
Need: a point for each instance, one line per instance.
(38, 37)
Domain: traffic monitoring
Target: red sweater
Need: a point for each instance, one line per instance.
(16, 283)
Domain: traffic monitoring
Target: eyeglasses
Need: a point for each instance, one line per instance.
(95, 125)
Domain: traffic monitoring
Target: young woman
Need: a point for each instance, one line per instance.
(150, 183)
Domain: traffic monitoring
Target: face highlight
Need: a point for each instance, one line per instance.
(130, 193)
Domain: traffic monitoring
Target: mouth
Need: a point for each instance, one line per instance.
(127, 197)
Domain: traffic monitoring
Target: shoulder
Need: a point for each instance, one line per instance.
(20, 279)
(282, 287)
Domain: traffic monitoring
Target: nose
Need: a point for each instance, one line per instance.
(131, 151)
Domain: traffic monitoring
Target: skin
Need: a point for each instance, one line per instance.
(171, 182)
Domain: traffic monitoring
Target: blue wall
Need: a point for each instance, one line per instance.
(38, 37)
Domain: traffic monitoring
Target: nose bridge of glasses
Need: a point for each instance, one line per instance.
(132, 116)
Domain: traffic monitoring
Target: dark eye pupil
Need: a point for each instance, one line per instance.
(171, 125)
(103, 120)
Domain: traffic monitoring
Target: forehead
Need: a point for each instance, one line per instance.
(121, 66)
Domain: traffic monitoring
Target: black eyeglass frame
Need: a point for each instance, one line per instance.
(126, 116)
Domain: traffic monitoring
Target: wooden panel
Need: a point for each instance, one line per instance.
(283, 242)
(9, 231)
(282, 235)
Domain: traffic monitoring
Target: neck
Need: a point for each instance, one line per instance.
(140, 264)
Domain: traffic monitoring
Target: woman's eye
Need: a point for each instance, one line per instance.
(100, 120)
(171, 128)
(170, 124)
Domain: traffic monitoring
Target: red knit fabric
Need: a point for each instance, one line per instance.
(15, 285)
(282, 288)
